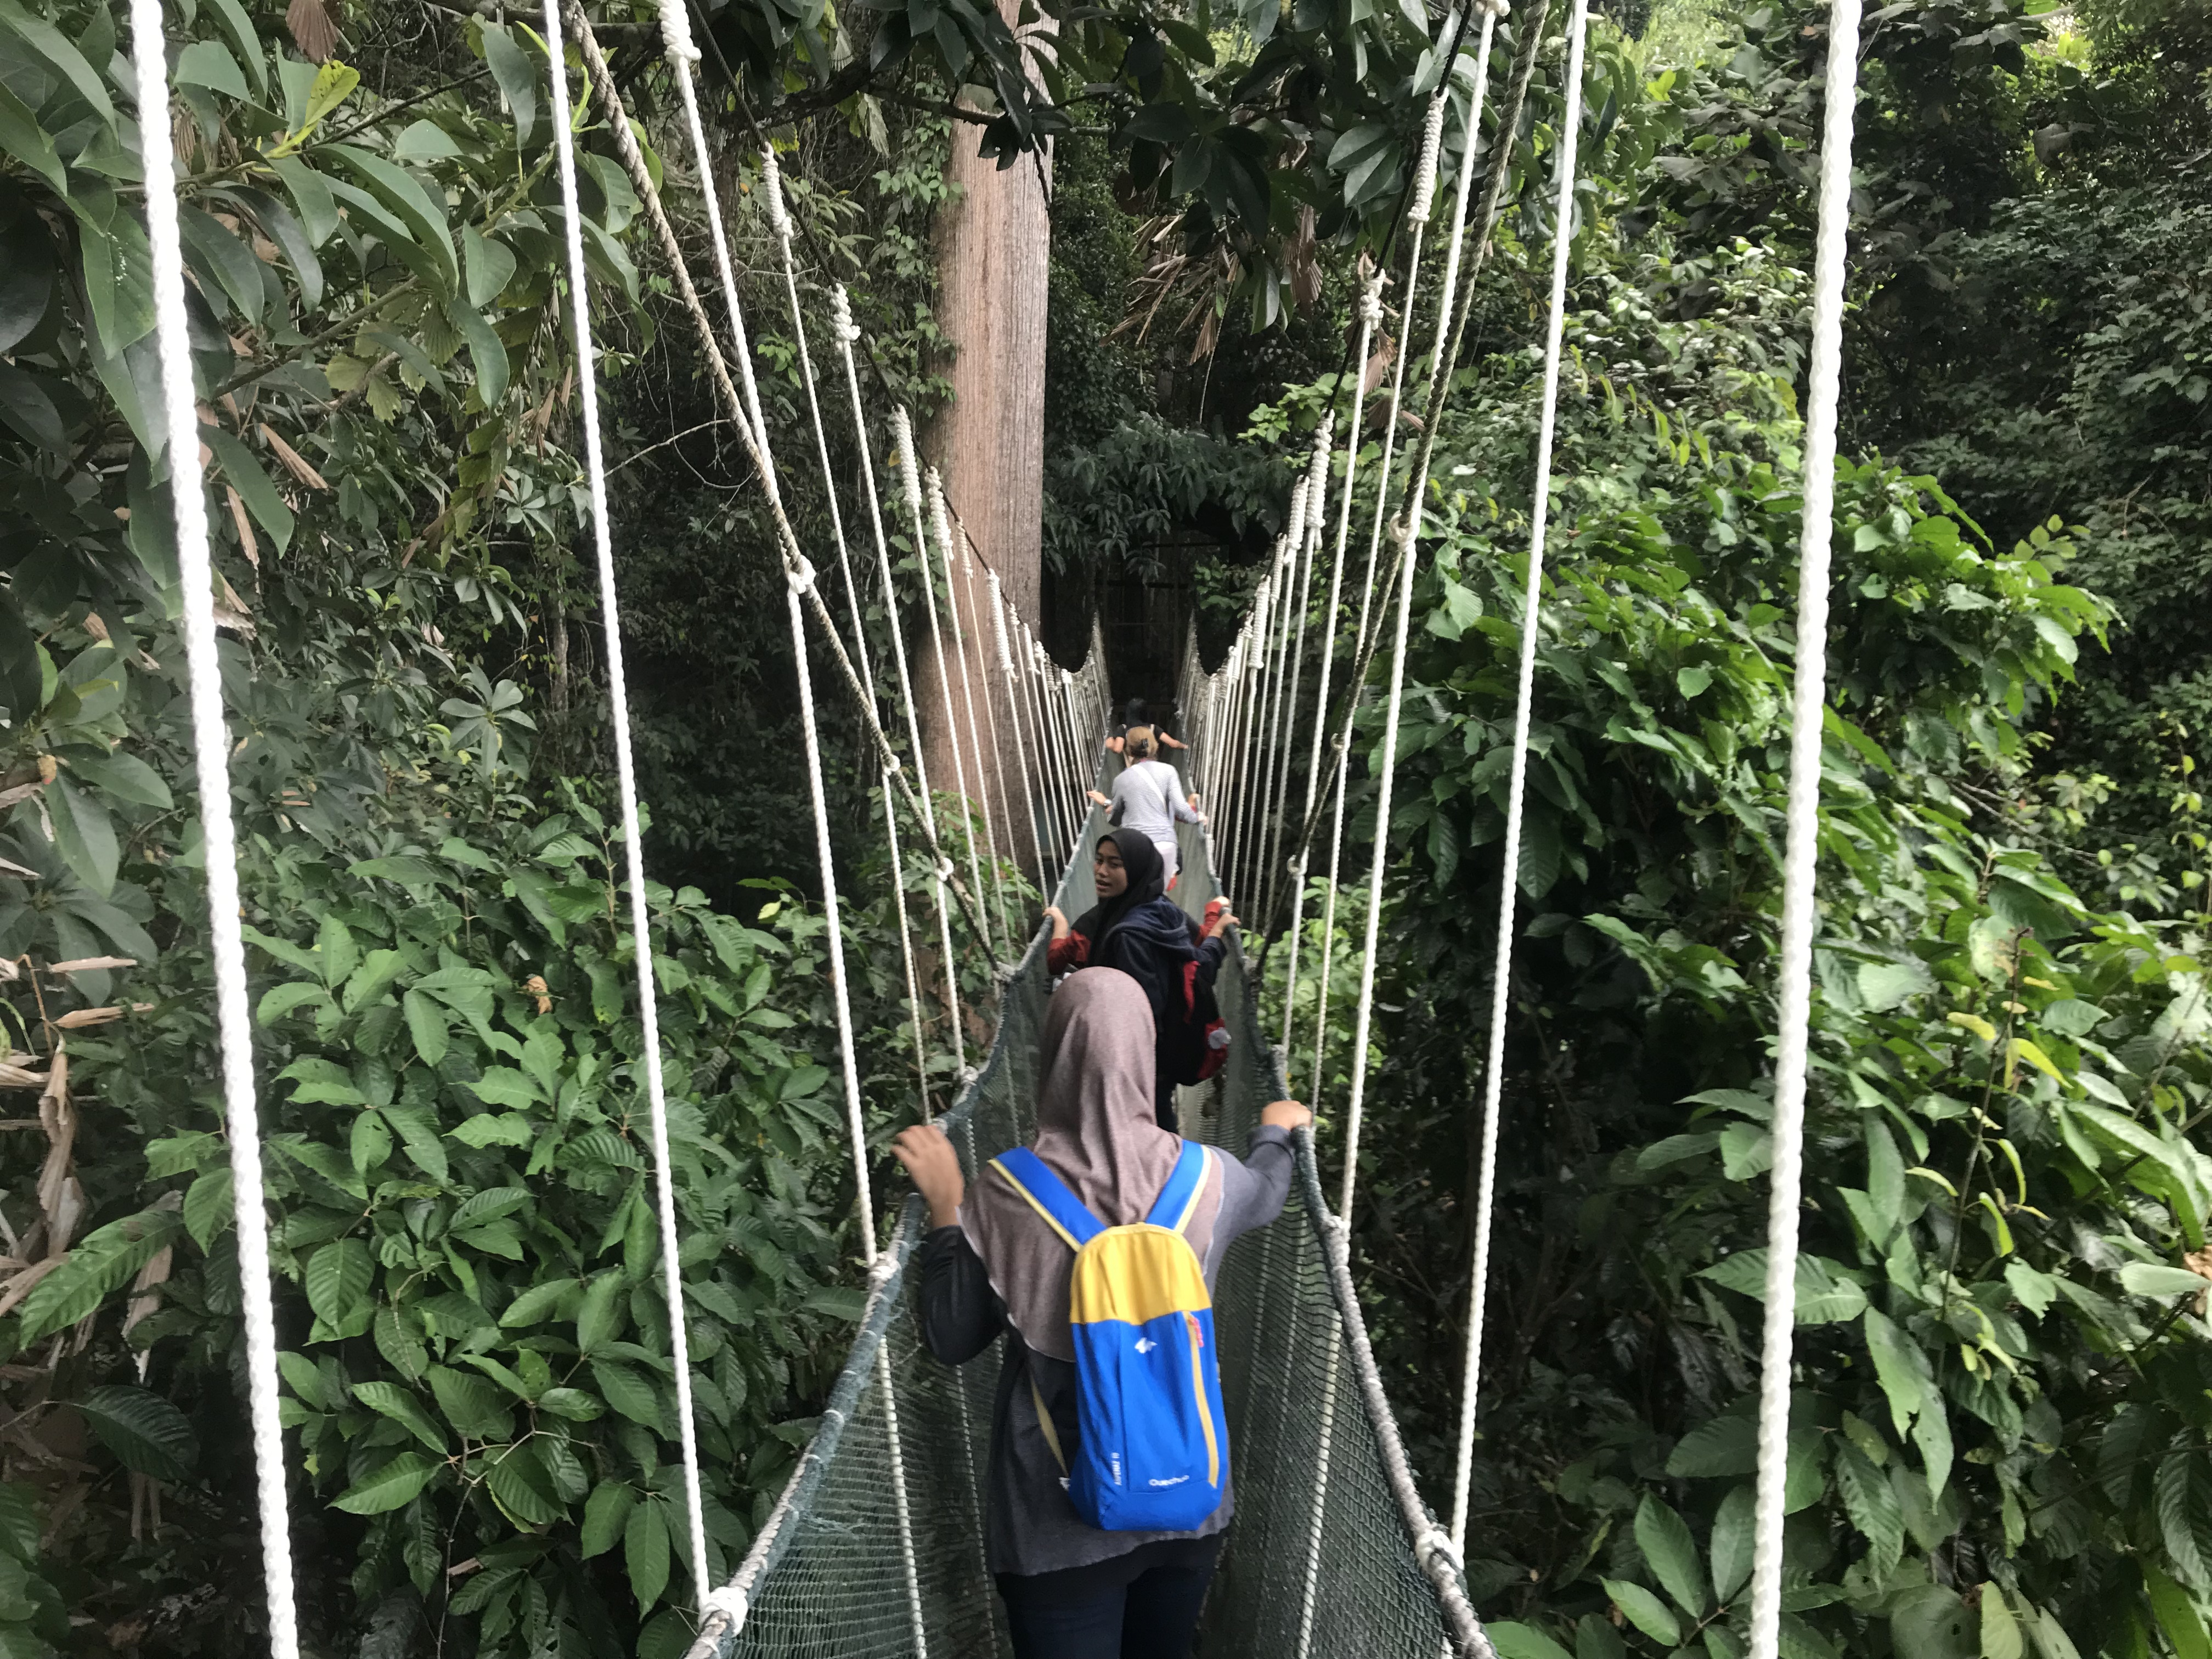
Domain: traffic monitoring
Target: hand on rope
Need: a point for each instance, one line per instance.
(925, 1152)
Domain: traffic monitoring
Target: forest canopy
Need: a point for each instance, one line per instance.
(1998, 1444)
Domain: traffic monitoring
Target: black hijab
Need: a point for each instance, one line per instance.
(1147, 881)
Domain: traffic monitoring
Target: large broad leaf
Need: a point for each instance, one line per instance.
(1933, 1623)
(399, 190)
(338, 1279)
(471, 1404)
(390, 1399)
(605, 1515)
(84, 836)
(146, 1432)
(1645, 1611)
(521, 1485)
(1514, 1640)
(1825, 1294)
(1672, 1554)
(101, 1264)
(1734, 1539)
(645, 1551)
(47, 41)
(517, 75)
(245, 475)
(393, 1484)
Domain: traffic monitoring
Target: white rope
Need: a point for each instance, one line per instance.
(1297, 560)
(1363, 1011)
(1801, 843)
(588, 388)
(1014, 709)
(1310, 538)
(211, 757)
(1370, 313)
(998, 754)
(846, 336)
(902, 459)
(1508, 883)
(969, 803)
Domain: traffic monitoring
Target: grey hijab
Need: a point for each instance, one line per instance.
(1095, 1131)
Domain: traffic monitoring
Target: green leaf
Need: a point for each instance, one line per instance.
(471, 1404)
(494, 1129)
(1872, 1503)
(522, 1486)
(208, 1207)
(209, 63)
(373, 978)
(230, 17)
(501, 1085)
(1825, 1294)
(486, 355)
(1672, 1554)
(572, 1404)
(2160, 1283)
(126, 777)
(1645, 1611)
(147, 1434)
(246, 476)
(2001, 1632)
(396, 1342)
(398, 189)
(1514, 1640)
(84, 836)
(101, 1264)
(540, 1302)
(338, 1276)
(606, 1513)
(645, 1552)
(22, 137)
(1883, 985)
(627, 1392)
(50, 43)
(427, 1027)
(516, 75)
(281, 1000)
(1932, 1622)
(393, 1484)
(334, 84)
(1735, 1536)
(390, 1399)
(2174, 1607)
(491, 267)
(310, 197)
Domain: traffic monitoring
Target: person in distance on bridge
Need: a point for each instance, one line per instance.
(1137, 928)
(1133, 713)
(990, 1263)
(1148, 798)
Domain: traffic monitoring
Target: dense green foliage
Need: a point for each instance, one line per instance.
(447, 1032)
(1998, 1443)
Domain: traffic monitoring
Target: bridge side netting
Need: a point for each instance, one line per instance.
(828, 1579)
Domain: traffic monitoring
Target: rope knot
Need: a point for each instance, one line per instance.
(1433, 1548)
(732, 1603)
(676, 32)
(894, 765)
(779, 218)
(1425, 175)
(944, 869)
(800, 576)
(841, 326)
(881, 1269)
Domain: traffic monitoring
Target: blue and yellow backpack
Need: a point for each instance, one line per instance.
(1152, 1453)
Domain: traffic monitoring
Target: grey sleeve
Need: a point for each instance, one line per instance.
(1254, 1188)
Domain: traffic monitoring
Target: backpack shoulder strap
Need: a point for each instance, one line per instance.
(1048, 1194)
(1178, 1199)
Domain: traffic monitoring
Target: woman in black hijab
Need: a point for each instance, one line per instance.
(1137, 928)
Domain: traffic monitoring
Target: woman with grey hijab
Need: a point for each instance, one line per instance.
(990, 1264)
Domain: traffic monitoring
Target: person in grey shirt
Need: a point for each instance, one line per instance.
(1148, 799)
(989, 1265)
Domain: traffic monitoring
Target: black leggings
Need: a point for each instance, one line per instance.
(1141, 1606)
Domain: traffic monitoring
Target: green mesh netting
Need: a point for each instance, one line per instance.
(829, 1576)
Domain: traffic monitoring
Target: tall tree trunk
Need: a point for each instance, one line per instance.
(994, 246)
